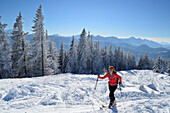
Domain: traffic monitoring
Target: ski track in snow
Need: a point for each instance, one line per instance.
(143, 92)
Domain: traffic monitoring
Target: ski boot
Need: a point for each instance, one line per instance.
(112, 104)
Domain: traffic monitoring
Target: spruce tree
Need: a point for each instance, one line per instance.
(61, 58)
(20, 49)
(5, 52)
(48, 59)
(65, 61)
(54, 56)
(168, 68)
(105, 58)
(111, 56)
(117, 56)
(140, 63)
(39, 44)
(91, 54)
(145, 62)
(89, 59)
(71, 66)
(133, 62)
(82, 53)
(125, 61)
(121, 60)
(97, 69)
(158, 65)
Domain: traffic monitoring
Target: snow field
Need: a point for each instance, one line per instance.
(143, 91)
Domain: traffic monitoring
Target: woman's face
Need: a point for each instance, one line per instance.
(110, 71)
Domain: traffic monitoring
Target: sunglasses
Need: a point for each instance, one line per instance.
(110, 70)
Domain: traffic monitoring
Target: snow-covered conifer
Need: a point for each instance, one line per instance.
(71, 66)
(54, 56)
(5, 52)
(20, 50)
(82, 52)
(111, 56)
(39, 44)
(105, 58)
(91, 54)
(145, 62)
(89, 58)
(158, 65)
(61, 58)
(117, 56)
(65, 61)
(97, 63)
(48, 59)
(168, 67)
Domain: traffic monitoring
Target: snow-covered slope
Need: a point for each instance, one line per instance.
(143, 91)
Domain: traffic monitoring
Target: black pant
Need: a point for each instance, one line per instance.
(112, 90)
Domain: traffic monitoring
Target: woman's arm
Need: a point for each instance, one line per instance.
(120, 79)
(104, 76)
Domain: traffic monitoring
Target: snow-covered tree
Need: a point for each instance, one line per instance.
(48, 59)
(71, 66)
(125, 61)
(39, 44)
(131, 61)
(158, 65)
(61, 58)
(121, 60)
(54, 56)
(168, 67)
(82, 52)
(145, 62)
(117, 56)
(164, 64)
(111, 56)
(89, 58)
(5, 52)
(105, 58)
(140, 63)
(65, 61)
(97, 63)
(20, 50)
(91, 54)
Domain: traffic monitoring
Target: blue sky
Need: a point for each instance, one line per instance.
(122, 18)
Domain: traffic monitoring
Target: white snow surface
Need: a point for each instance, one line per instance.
(143, 92)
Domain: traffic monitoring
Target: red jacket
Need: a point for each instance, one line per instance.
(113, 80)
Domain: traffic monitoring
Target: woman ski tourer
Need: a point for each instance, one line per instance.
(114, 80)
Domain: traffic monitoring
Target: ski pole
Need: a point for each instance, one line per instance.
(96, 83)
(122, 97)
(120, 91)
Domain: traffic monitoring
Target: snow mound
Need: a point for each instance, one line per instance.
(10, 95)
(143, 91)
(152, 86)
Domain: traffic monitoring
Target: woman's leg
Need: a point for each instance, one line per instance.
(112, 90)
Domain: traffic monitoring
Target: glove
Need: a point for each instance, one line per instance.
(98, 76)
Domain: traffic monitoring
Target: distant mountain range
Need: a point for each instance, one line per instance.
(136, 46)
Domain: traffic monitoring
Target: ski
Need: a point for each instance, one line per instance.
(107, 107)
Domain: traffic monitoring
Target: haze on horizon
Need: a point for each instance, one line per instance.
(146, 19)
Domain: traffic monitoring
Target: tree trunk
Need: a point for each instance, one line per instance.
(23, 48)
(42, 47)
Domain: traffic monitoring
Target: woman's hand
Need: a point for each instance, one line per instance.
(98, 76)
